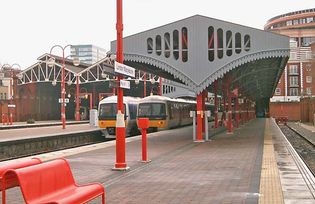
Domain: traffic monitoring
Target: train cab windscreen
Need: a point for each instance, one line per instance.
(152, 110)
(108, 111)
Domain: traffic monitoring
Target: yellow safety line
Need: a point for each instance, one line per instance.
(270, 185)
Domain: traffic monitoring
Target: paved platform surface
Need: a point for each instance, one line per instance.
(39, 124)
(225, 170)
(297, 182)
(25, 133)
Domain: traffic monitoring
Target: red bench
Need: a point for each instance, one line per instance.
(12, 181)
(52, 182)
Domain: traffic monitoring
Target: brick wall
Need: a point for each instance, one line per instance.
(290, 109)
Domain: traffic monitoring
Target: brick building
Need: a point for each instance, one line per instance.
(297, 80)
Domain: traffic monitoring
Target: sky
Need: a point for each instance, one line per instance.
(30, 28)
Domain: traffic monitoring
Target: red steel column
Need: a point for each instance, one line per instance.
(223, 117)
(144, 145)
(145, 85)
(63, 92)
(91, 100)
(199, 117)
(216, 124)
(93, 95)
(203, 110)
(229, 124)
(237, 112)
(77, 103)
(161, 88)
(120, 123)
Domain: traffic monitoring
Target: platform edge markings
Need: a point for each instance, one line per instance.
(306, 175)
(270, 184)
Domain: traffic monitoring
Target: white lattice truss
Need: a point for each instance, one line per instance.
(100, 71)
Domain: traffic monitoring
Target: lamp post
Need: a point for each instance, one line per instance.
(120, 124)
(77, 103)
(51, 63)
(10, 105)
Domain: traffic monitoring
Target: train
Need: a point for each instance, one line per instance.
(107, 110)
(163, 113)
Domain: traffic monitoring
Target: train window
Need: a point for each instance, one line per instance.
(158, 109)
(152, 110)
(132, 111)
(109, 111)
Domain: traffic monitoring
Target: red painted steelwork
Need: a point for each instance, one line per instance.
(77, 102)
(203, 110)
(229, 95)
(237, 112)
(143, 123)
(160, 86)
(120, 131)
(145, 85)
(63, 92)
(216, 122)
(199, 116)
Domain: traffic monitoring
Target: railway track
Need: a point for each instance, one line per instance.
(27, 147)
(303, 146)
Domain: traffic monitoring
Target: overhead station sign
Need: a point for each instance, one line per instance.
(125, 70)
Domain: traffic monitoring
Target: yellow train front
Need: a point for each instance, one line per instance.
(107, 115)
(164, 112)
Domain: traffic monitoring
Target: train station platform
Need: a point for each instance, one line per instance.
(45, 123)
(44, 131)
(253, 165)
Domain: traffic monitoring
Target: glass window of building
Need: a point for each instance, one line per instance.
(158, 45)
(294, 91)
(289, 23)
(278, 91)
(309, 91)
(307, 41)
(229, 42)
(238, 43)
(175, 44)
(294, 81)
(210, 43)
(308, 79)
(184, 44)
(150, 45)
(220, 43)
(293, 69)
(167, 51)
(309, 20)
(246, 42)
